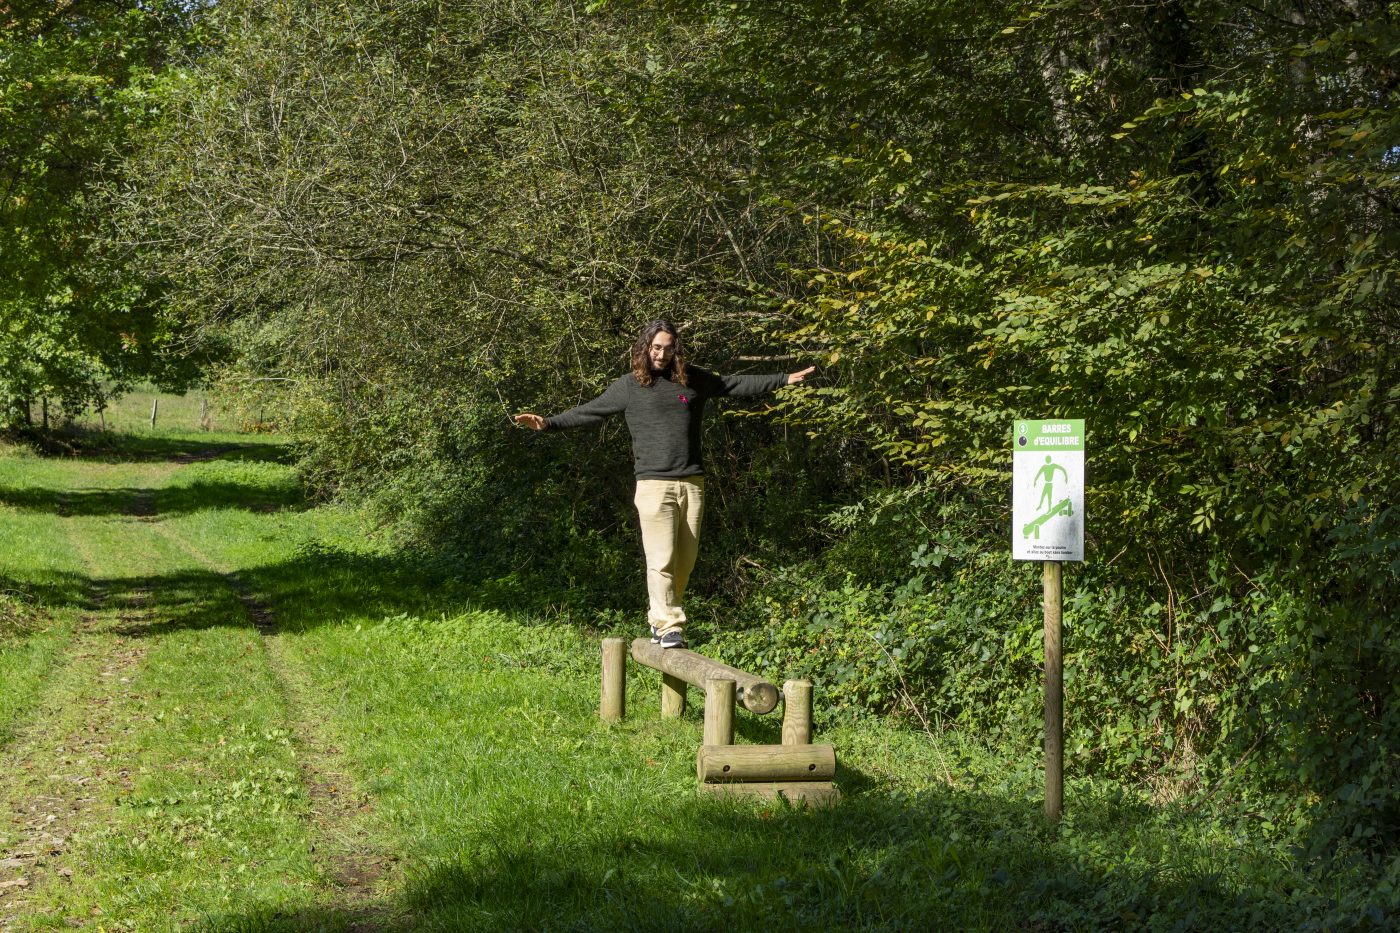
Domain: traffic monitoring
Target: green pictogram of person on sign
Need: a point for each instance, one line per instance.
(1046, 475)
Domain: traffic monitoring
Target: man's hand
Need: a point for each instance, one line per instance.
(533, 422)
(792, 379)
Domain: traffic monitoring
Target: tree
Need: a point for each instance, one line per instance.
(415, 220)
(78, 81)
(1172, 219)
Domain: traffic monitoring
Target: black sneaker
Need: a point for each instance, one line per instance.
(672, 639)
(655, 638)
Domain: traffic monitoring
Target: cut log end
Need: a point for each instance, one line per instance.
(760, 697)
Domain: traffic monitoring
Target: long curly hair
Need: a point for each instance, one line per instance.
(641, 359)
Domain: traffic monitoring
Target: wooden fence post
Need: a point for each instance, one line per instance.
(797, 712)
(719, 711)
(614, 703)
(672, 696)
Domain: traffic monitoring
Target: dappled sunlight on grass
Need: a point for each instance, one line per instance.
(467, 719)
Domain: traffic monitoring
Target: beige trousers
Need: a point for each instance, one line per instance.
(670, 512)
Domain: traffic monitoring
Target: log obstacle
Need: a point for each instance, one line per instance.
(757, 694)
(796, 771)
(719, 711)
(808, 793)
(672, 696)
(797, 712)
(730, 764)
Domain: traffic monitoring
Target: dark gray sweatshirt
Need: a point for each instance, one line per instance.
(664, 418)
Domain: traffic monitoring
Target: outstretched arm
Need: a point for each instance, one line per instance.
(612, 401)
(756, 385)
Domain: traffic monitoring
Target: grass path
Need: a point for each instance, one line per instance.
(160, 744)
(223, 710)
(345, 850)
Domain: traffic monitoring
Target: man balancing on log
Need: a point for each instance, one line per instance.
(663, 400)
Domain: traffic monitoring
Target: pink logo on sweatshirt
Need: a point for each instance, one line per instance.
(684, 400)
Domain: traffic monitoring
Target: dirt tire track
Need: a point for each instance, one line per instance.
(361, 872)
(46, 811)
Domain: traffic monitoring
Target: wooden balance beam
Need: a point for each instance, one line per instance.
(756, 694)
(795, 771)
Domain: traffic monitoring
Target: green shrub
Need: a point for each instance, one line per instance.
(1257, 694)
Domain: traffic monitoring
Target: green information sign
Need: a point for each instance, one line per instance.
(1047, 493)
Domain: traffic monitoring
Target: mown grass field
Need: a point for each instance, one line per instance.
(222, 708)
(196, 412)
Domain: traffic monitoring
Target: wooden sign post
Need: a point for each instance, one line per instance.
(1047, 524)
(1054, 694)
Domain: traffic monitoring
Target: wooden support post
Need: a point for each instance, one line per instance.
(614, 704)
(672, 696)
(797, 712)
(720, 764)
(155, 404)
(719, 711)
(756, 694)
(1054, 692)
